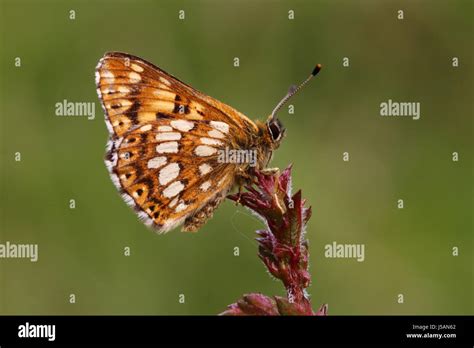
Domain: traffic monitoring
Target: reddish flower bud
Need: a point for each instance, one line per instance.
(282, 246)
(253, 304)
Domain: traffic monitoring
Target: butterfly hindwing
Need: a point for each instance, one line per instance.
(169, 169)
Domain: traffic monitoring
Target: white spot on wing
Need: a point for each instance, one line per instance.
(108, 90)
(145, 128)
(123, 89)
(205, 186)
(168, 147)
(169, 173)
(214, 133)
(136, 67)
(204, 150)
(134, 77)
(162, 93)
(181, 206)
(220, 126)
(125, 155)
(165, 81)
(182, 125)
(164, 129)
(106, 74)
(173, 202)
(168, 136)
(209, 141)
(173, 189)
(156, 162)
(204, 168)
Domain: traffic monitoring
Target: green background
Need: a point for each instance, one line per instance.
(407, 251)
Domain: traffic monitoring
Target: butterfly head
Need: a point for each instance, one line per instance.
(276, 131)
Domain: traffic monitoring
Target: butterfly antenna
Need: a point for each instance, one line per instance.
(294, 89)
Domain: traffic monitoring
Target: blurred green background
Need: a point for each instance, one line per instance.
(407, 251)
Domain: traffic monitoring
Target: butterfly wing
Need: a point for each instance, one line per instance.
(134, 91)
(165, 139)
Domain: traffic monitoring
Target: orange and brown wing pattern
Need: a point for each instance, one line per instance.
(165, 139)
(169, 170)
(135, 92)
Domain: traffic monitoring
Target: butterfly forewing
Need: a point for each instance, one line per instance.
(164, 141)
(135, 92)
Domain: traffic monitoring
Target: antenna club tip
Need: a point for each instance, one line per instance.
(317, 68)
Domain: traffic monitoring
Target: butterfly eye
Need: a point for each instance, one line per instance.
(276, 129)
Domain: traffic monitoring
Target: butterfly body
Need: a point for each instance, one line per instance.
(175, 153)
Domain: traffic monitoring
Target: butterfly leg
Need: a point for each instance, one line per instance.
(243, 178)
(271, 171)
(237, 201)
(278, 200)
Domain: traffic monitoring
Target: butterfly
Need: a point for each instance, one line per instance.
(174, 153)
